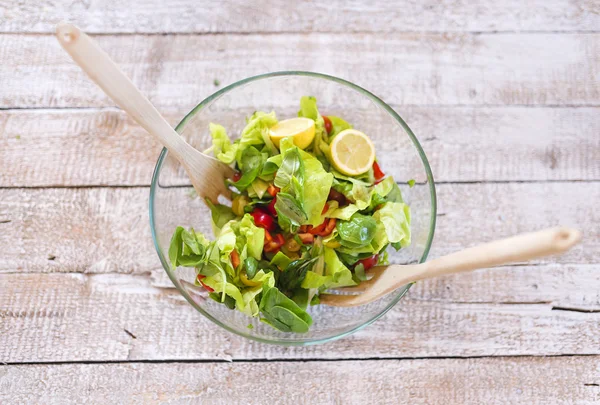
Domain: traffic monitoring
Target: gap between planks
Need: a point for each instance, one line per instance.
(290, 360)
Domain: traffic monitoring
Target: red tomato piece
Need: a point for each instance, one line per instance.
(235, 259)
(377, 171)
(207, 288)
(237, 176)
(328, 125)
(272, 190)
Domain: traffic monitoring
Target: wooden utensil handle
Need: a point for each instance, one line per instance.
(523, 247)
(106, 74)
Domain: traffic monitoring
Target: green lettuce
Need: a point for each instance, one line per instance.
(252, 237)
(337, 125)
(218, 282)
(314, 280)
(222, 147)
(395, 217)
(256, 133)
(249, 294)
(281, 260)
(359, 231)
(316, 190)
(340, 275)
(251, 163)
(187, 248)
(220, 215)
(308, 109)
(283, 313)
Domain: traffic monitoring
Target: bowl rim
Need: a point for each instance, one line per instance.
(430, 181)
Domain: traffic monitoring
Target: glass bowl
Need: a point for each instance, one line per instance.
(173, 202)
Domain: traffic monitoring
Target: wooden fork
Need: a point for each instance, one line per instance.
(515, 249)
(206, 173)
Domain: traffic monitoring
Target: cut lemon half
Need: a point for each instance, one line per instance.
(300, 129)
(352, 152)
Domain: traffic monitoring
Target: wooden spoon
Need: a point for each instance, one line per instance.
(206, 173)
(515, 249)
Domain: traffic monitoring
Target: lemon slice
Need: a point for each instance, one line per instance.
(301, 129)
(352, 152)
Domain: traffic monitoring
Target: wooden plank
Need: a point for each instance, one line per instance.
(188, 16)
(41, 148)
(572, 380)
(411, 68)
(106, 229)
(79, 317)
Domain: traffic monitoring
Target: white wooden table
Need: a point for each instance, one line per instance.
(505, 98)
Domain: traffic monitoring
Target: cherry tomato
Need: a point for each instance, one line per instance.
(369, 262)
(328, 125)
(235, 259)
(207, 288)
(337, 196)
(271, 207)
(237, 176)
(377, 171)
(263, 219)
(306, 238)
(272, 190)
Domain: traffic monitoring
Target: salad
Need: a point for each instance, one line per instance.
(311, 210)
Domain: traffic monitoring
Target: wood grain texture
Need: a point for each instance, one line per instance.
(411, 68)
(79, 317)
(450, 381)
(188, 16)
(103, 230)
(105, 147)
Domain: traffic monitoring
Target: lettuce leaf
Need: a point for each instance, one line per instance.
(256, 132)
(395, 217)
(249, 294)
(340, 275)
(281, 260)
(314, 280)
(308, 109)
(317, 185)
(337, 125)
(282, 313)
(292, 166)
(359, 231)
(220, 215)
(344, 213)
(252, 236)
(187, 248)
(220, 284)
(222, 147)
(250, 164)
